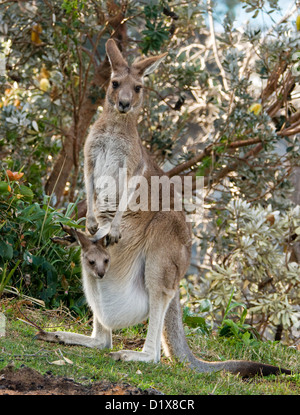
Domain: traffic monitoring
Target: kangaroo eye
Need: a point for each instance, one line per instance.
(137, 88)
(92, 262)
(106, 261)
(115, 84)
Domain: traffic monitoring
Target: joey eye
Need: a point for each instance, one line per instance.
(92, 262)
(137, 88)
(115, 84)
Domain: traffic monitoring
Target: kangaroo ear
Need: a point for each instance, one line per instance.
(114, 55)
(100, 242)
(81, 238)
(146, 66)
(73, 237)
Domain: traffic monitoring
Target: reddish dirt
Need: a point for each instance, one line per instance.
(27, 381)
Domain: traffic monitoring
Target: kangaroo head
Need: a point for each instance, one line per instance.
(125, 91)
(94, 256)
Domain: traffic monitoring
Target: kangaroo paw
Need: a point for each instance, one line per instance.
(130, 355)
(53, 337)
(112, 238)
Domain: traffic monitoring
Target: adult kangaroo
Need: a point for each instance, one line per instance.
(153, 254)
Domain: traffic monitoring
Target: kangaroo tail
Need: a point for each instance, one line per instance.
(175, 345)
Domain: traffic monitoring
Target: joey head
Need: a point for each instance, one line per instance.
(95, 258)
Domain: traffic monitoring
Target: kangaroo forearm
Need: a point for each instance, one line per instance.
(89, 184)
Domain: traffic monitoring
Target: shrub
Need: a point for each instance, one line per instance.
(40, 268)
(257, 263)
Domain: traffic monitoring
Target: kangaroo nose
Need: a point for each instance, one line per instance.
(124, 106)
(100, 274)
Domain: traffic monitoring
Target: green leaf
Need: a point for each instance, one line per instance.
(26, 192)
(3, 187)
(205, 306)
(6, 278)
(246, 338)
(6, 250)
(243, 316)
(195, 321)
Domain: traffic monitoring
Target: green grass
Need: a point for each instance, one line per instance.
(171, 378)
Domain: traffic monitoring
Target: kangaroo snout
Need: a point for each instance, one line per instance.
(124, 106)
(100, 273)
(99, 265)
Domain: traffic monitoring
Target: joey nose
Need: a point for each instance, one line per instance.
(100, 274)
(124, 106)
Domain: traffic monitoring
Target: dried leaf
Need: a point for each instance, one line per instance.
(58, 362)
(68, 360)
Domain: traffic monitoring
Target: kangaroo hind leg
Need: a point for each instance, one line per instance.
(159, 300)
(101, 337)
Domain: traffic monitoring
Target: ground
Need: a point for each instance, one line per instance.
(32, 367)
(27, 381)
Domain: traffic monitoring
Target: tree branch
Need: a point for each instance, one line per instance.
(207, 151)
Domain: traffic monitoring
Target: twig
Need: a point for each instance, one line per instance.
(271, 189)
(25, 355)
(28, 320)
(159, 96)
(287, 132)
(255, 47)
(213, 38)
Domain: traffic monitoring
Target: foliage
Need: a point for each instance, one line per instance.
(232, 326)
(29, 260)
(239, 331)
(256, 261)
(156, 32)
(196, 322)
(6, 278)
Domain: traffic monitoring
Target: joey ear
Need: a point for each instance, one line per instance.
(73, 237)
(100, 242)
(114, 55)
(146, 66)
(81, 238)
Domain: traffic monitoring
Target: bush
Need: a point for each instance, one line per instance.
(40, 268)
(256, 260)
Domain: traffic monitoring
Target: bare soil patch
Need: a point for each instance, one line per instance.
(27, 381)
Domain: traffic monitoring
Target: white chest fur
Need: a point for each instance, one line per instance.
(108, 157)
(110, 160)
